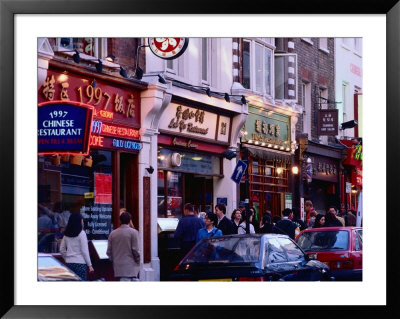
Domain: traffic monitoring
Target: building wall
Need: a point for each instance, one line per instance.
(315, 66)
(348, 70)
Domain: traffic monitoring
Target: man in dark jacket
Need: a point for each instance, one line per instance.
(224, 223)
(296, 218)
(187, 229)
(286, 225)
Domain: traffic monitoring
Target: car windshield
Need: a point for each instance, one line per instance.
(226, 250)
(324, 240)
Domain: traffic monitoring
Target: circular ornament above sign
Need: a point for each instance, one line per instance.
(168, 48)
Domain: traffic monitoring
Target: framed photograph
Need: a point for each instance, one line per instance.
(22, 23)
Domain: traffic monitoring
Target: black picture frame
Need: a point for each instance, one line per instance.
(8, 10)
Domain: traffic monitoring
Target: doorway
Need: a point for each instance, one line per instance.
(128, 185)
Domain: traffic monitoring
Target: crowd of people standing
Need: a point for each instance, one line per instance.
(196, 226)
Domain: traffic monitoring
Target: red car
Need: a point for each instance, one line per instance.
(338, 247)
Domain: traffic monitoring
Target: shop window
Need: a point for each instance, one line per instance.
(198, 163)
(174, 194)
(286, 77)
(67, 185)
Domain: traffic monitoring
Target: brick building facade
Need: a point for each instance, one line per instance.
(316, 67)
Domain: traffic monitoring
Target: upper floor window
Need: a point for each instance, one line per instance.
(286, 76)
(205, 60)
(175, 66)
(357, 45)
(323, 44)
(257, 66)
(308, 40)
(346, 42)
(96, 47)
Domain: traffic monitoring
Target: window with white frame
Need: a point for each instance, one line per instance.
(307, 40)
(357, 45)
(306, 103)
(175, 66)
(285, 70)
(96, 47)
(346, 42)
(343, 106)
(323, 44)
(257, 66)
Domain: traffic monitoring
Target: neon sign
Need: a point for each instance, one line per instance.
(129, 145)
(63, 127)
(100, 127)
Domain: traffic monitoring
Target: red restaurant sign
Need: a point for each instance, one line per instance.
(113, 103)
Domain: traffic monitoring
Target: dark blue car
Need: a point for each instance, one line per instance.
(249, 257)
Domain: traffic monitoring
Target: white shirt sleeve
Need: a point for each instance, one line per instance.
(85, 248)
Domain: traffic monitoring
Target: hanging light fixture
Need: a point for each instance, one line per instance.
(139, 73)
(161, 79)
(227, 98)
(76, 57)
(122, 72)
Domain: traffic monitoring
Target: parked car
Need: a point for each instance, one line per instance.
(249, 257)
(338, 247)
(50, 269)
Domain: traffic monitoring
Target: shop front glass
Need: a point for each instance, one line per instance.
(183, 180)
(72, 184)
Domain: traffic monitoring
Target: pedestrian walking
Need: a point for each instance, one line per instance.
(224, 223)
(339, 218)
(255, 220)
(236, 219)
(349, 217)
(319, 221)
(187, 229)
(267, 226)
(123, 250)
(311, 221)
(310, 212)
(242, 226)
(286, 225)
(331, 220)
(209, 230)
(74, 247)
(296, 219)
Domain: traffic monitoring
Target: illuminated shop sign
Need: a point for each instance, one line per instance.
(267, 129)
(110, 101)
(64, 128)
(128, 145)
(322, 168)
(113, 143)
(102, 128)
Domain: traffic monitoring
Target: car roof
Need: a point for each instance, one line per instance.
(330, 229)
(269, 235)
